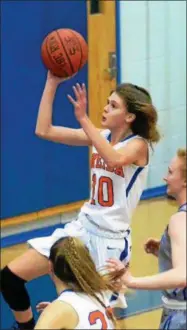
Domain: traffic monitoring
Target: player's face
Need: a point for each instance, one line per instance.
(174, 179)
(115, 114)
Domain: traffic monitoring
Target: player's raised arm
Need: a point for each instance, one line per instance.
(44, 127)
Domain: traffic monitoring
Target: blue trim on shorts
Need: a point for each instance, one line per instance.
(122, 257)
(167, 323)
(124, 253)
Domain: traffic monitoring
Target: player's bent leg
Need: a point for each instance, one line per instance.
(26, 267)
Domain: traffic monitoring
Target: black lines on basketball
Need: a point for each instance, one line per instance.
(48, 54)
(64, 48)
(80, 65)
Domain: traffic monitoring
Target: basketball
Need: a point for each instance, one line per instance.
(64, 52)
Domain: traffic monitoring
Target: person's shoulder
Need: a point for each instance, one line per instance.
(138, 143)
(177, 223)
(178, 216)
(58, 313)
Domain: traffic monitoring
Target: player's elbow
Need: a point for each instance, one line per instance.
(182, 281)
(41, 133)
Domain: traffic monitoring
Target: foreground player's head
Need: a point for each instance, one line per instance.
(72, 264)
(176, 176)
(131, 107)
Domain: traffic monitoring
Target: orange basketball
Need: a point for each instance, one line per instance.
(64, 52)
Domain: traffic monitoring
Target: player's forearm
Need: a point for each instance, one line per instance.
(104, 149)
(44, 120)
(174, 278)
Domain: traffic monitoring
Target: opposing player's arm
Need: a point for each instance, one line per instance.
(177, 232)
(175, 277)
(46, 130)
(58, 315)
(134, 152)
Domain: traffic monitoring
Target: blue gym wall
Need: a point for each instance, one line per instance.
(36, 174)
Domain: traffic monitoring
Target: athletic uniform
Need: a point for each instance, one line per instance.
(174, 313)
(91, 314)
(103, 223)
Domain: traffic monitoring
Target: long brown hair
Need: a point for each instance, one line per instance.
(74, 266)
(139, 102)
(181, 153)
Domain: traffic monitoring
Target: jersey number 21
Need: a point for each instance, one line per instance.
(98, 316)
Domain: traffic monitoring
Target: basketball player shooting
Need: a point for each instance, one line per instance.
(119, 168)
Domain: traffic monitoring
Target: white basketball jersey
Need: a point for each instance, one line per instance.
(91, 313)
(115, 192)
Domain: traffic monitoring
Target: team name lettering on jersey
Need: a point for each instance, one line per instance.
(98, 162)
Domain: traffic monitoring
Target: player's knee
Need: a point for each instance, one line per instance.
(14, 291)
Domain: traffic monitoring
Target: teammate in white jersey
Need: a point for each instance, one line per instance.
(80, 303)
(119, 164)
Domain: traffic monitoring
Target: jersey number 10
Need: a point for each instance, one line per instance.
(104, 181)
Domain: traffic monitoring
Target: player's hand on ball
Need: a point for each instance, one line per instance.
(41, 306)
(80, 101)
(51, 78)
